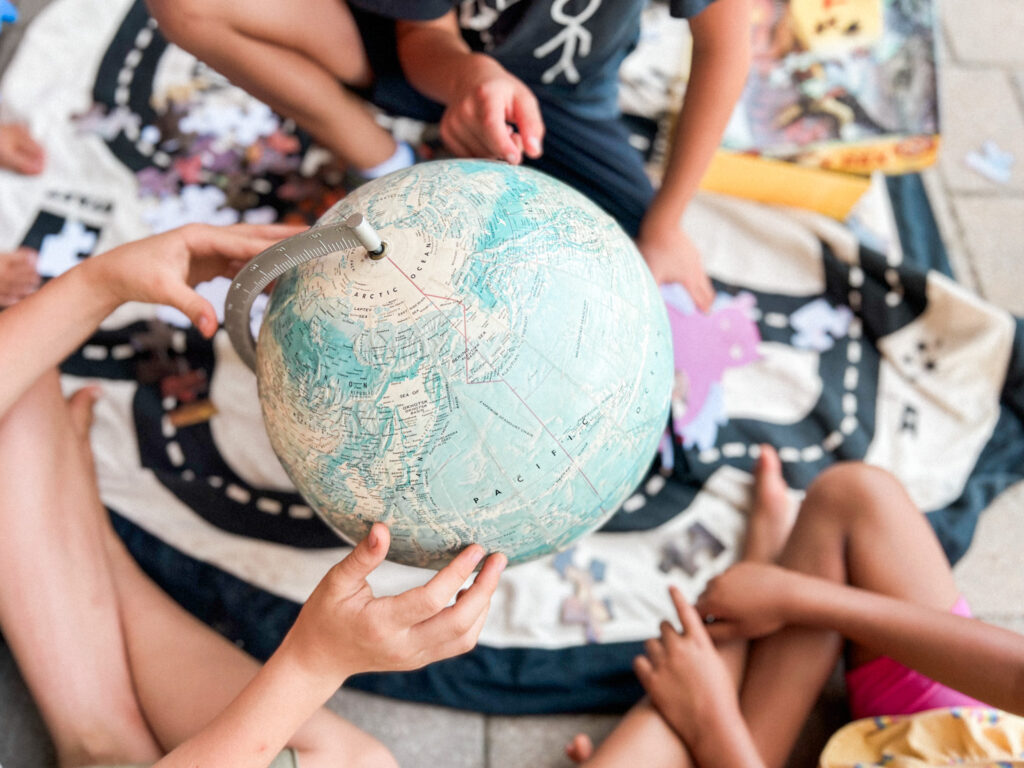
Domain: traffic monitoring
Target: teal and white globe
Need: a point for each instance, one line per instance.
(501, 376)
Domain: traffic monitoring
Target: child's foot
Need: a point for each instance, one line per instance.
(19, 152)
(80, 413)
(771, 515)
(580, 748)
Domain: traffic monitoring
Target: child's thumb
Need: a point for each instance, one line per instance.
(367, 555)
(197, 309)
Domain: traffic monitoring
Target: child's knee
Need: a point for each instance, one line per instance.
(180, 19)
(855, 492)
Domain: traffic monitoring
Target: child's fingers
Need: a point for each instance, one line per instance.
(655, 651)
(19, 151)
(466, 141)
(455, 642)
(468, 610)
(239, 242)
(420, 603)
(19, 269)
(516, 139)
(28, 157)
(23, 286)
(701, 605)
(29, 257)
(701, 291)
(691, 621)
(529, 123)
(723, 631)
(499, 141)
(452, 140)
(18, 264)
(197, 309)
(644, 670)
(269, 231)
(668, 633)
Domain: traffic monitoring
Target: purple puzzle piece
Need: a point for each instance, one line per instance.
(705, 346)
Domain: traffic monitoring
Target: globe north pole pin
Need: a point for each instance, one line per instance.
(269, 265)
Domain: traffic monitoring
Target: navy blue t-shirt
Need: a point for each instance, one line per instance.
(568, 51)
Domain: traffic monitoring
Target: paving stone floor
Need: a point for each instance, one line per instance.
(982, 99)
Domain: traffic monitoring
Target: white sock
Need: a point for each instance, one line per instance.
(402, 158)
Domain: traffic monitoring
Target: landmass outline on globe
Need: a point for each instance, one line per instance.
(501, 376)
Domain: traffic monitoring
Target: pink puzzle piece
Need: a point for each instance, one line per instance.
(704, 347)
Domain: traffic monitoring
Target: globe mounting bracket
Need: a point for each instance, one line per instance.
(269, 265)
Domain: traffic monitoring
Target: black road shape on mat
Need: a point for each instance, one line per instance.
(186, 460)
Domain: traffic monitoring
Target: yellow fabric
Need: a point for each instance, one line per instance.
(773, 181)
(959, 736)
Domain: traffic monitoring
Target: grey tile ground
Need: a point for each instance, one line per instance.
(24, 742)
(950, 229)
(986, 32)
(418, 735)
(539, 741)
(990, 573)
(979, 104)
(994, 230)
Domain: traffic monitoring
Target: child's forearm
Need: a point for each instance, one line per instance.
(718, 72)
(260, 721)
(978, 659)
(42, 329)
(433, 55)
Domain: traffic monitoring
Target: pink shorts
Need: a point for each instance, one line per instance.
(885, 687)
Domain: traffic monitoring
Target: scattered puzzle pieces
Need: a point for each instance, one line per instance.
(818, 323)
(698, 547)
(243, 123)
(702, 431)
(583, 607)
(186, 387)
(992, 162)
(60, 252)
(705, 346)
(191, 414)
(109, 125)
(156, 183)
(155, 354)
(195, 204)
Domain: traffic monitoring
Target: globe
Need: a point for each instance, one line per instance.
(501, 375)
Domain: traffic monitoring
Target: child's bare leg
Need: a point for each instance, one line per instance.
(58, 605)
(641, 738)
(769, 524)
(857, 525)
(295, 58)
(768, 527)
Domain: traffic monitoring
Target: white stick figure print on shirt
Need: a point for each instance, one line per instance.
(574, 38)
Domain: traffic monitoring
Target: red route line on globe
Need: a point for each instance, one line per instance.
(465, 340)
